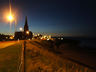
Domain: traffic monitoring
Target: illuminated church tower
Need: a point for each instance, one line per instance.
(26, 25)
(27, 34)
(24, 35)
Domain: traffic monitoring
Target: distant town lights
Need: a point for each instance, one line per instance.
(11, 37)
(61, 38)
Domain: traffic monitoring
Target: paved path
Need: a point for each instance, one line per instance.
(6, 44)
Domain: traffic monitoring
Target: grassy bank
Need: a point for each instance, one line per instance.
(10, 58)
(47, 56)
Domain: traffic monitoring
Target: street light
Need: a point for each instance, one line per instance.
(21, 29)
(10, 18)
(27, 32)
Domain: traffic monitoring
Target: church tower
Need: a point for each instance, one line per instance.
(24, 35)
(26, 25)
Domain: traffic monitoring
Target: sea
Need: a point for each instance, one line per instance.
(84, 41)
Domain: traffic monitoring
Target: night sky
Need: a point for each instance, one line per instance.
(68, 17)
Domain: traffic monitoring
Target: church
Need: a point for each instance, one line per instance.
(24, 35)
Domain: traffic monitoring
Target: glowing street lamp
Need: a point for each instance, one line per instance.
(21, 29)
(27, 32)
(10, 18)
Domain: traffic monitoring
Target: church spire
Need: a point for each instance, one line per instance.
(26, 25)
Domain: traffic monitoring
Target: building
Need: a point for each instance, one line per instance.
(24, 35)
